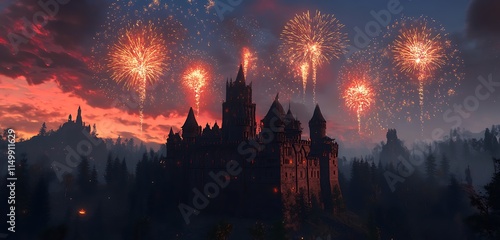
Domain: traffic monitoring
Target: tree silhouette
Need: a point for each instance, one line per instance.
(93, 180)
(40, 206)
(43, 130)
(108, 176)
(487, 221)
(444, 167)
(430, 167)
(83, 178)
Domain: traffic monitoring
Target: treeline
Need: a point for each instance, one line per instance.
(428, 192)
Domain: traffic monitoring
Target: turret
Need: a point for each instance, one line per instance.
(317, 125)
(293, 129)
(274, 118)
(171, 133)
(238, 116)
(240, 78)
(79, 121)
(190, 129)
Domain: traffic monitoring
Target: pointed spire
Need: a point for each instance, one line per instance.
(289, 115)
(317, 115)
(190, 120)
(79, 120)
(277, 97)
(241, 75)
(171, 133)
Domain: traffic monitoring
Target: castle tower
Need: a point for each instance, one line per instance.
(79, 120)
(293, 130)
(317, 125)
(238, 116)
(326, 150)
(190, 129)
(274, 118)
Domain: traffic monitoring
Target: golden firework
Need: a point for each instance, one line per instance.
(419, 50)
(313, 40)
(138, 59)
(359, 96)
(195, 78)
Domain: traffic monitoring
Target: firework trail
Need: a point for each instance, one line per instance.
(313, 40)
(304, 70)
(358, 96)
(359, 87)
(248, 60)
(420, 49)
(138, 59)
(195, 78)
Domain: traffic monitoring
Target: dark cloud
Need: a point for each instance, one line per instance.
(27, 111)
(56, 51)
(483, 18)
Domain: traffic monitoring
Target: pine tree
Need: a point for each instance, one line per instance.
(22, 191)
(43, 130)
(109, 170)
(40, 206)
(83, 178)
(93, 179)
(488, 144)
(123, 172)
(94, 131)
(430, 167)
(116, 171)
(445, 167)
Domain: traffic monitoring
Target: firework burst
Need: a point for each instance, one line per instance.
(195, 78)
(420, 49)
(312, 40)
(358, 96)
(358, 86)
(138, 59)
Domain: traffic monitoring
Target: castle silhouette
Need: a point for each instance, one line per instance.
(277, 164)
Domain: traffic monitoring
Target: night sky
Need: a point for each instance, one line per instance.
(63, 65)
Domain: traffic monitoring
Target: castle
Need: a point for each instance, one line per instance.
(277, 164)
(78, 123)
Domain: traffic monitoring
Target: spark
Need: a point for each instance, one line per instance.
(359, 96)
(313, 39)
(304, 70)
(419, 50)
(248, 60)
(138, 59)
(195, 78)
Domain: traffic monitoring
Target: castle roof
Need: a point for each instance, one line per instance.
(216, 127)
(190, 120)
(275, 111)
(276, 108)
(317, 115)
